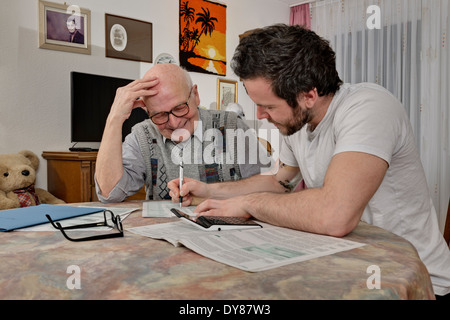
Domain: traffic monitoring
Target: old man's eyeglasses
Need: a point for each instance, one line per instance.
(179, 111)
(110, 220)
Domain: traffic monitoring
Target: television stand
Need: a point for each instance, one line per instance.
(82, 149)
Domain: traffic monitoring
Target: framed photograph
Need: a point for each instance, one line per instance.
(226, 93)
(64, 28)
(128, 39)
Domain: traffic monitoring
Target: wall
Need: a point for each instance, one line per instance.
(34, 82)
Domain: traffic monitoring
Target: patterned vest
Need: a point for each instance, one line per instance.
(162, 158)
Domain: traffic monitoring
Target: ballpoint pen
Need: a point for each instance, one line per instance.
(181, 182)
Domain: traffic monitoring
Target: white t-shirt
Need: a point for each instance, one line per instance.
(368, 118)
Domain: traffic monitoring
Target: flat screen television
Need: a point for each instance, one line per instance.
(91, 99)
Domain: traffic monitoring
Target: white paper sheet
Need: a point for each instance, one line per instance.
(161, 209)
(250, 250)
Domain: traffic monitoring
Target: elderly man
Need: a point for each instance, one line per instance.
(177, 131)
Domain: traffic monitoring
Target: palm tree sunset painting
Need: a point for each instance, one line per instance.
(203, 36)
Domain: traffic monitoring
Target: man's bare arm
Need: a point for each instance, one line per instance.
(334, 209)
(279, 181)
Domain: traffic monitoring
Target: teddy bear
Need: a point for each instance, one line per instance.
(17, 179)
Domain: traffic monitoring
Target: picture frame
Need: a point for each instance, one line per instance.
(64, 27)
(128, 39)
(203, 36)
(227, 92)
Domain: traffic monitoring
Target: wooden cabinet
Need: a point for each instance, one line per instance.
(70, 176)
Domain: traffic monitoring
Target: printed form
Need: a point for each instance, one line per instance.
(250, 250)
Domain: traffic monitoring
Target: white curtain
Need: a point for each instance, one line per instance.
(435, 120)
(407, 53)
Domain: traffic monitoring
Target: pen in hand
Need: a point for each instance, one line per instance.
(181, 182)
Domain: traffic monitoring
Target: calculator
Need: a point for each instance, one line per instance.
(210, 223)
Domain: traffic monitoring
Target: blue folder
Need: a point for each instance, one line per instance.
(31, 216)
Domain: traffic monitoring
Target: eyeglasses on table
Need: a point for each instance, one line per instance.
(108, 217)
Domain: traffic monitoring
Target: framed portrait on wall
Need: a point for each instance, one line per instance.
(128, 39)
(64, 28)
(226, 93)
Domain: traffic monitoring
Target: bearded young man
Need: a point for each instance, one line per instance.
(352, 144)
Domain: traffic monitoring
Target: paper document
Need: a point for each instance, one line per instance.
(250, 250)
(161, 209)
(91, 218)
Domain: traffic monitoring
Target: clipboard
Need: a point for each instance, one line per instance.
(13, 219)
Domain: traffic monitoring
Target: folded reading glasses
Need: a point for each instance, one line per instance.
(108, 217)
